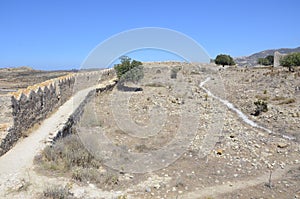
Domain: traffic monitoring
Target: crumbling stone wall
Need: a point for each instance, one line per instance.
(21, 110)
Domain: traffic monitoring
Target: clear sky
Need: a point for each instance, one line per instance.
(59, 34)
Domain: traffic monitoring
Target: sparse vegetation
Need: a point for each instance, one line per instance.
(67, 153)
(70, 157)
(283, 100)
(86, 174)
(223, 60)
(261, 106)
(57, 192)
(287, 101)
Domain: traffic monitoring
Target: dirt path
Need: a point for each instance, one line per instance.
(19, 159)
(217, 190)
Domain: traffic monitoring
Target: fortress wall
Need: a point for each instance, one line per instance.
(21, 110)
(76, 115)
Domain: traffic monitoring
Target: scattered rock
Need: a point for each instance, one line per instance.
(282, 145)
(220, 151)
(148, 189)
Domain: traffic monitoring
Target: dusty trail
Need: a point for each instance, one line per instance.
(20, 158)
(217, 190)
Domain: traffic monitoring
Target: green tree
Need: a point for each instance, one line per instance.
(263, 61)
(223, 60)
(270, 58)
(129, 71)
(267, 61)
(290, 60)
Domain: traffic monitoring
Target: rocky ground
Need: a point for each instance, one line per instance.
(206, 149)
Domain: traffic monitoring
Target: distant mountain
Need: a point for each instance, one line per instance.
(252, 59)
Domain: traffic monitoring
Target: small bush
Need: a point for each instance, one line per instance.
(261, 106)
(67, 153)
(111, 179)
(57, 192)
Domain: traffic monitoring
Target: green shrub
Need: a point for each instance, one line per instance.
(129, 70)
(290, 60)
(261, 106)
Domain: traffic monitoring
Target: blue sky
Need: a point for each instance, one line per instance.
(60, 34)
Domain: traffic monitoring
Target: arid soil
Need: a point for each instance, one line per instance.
(12, 79)
(223, 156)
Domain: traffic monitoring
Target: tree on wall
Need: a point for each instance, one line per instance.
(223, 60)
(290, 60)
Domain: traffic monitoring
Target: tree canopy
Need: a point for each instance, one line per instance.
(129, 70)
(290, 60)
(223, 60)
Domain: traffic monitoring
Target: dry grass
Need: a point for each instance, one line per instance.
(69, 157)
(86, 174)
(287, 101)
(57, 192)
(67, 153)
(155, 84)
(278, 98)
(283, 100)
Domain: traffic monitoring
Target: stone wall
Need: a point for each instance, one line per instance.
(277, 57)
(21, 110)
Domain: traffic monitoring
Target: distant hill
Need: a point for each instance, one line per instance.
(252, 59)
